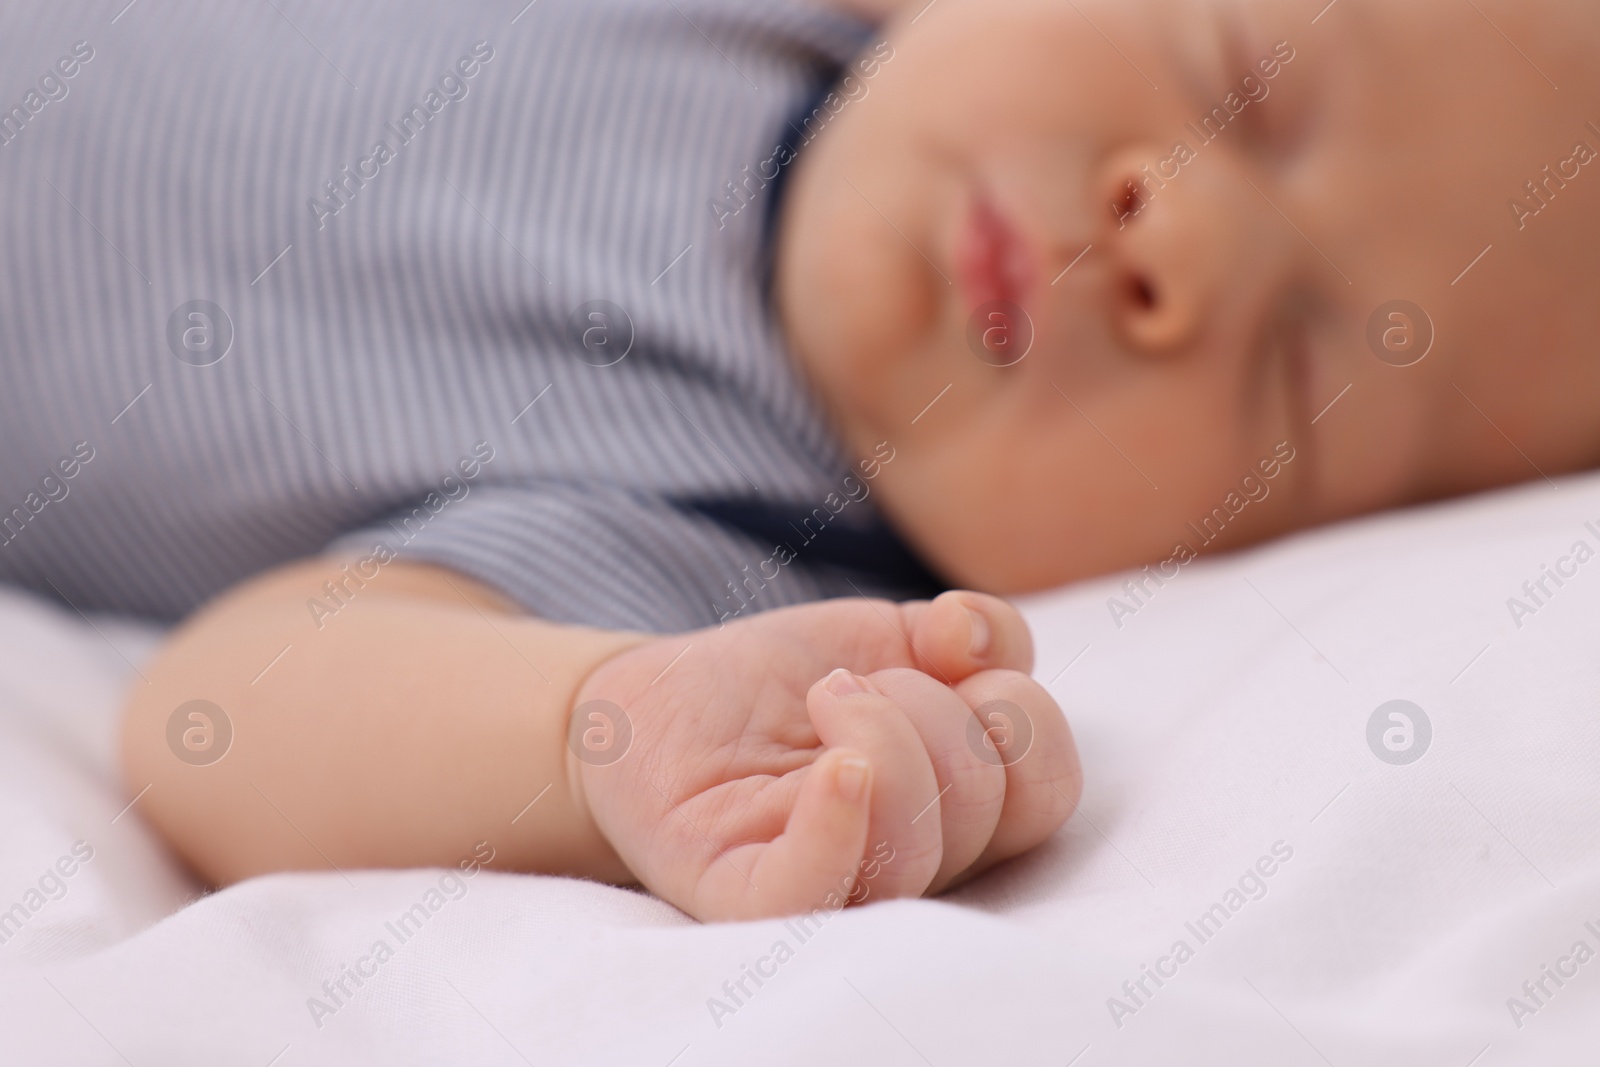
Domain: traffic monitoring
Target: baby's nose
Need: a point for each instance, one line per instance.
(1185, 245)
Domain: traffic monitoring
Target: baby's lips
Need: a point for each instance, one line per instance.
(992, 259)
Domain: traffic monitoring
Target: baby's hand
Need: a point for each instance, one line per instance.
(743, 779)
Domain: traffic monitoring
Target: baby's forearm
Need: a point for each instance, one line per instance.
(423, 717)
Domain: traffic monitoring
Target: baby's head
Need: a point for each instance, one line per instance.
(1206, 212)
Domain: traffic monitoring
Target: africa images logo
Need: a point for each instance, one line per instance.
(1399, 732)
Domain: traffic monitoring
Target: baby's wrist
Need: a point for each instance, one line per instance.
(596, 733)
(599, 858)
(555, 832)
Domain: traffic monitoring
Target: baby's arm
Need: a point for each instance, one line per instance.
(419, 720)
(762, 766)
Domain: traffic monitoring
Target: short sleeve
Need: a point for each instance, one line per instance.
(602, 556)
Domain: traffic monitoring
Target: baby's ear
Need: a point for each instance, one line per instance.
(961, 632)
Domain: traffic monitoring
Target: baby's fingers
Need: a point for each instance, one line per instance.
(1025, 732)
(972, 790)
(848, 713)
(813, 862)
(961, 632)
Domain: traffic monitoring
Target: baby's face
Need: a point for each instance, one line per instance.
(1289, 178)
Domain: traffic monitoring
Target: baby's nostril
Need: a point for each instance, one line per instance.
(1144, 296)
(1129, 204)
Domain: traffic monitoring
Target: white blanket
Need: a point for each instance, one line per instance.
(1441, 911)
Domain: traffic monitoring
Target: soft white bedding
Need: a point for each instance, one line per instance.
(1222, 726)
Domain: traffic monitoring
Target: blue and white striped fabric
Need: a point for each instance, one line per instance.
(284, 279)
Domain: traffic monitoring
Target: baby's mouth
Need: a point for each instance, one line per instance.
(992, 260)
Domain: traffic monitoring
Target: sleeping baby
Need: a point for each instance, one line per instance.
(603, 432)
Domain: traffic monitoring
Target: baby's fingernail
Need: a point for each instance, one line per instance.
(851, 778)
(979, 642)
(841, 683)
